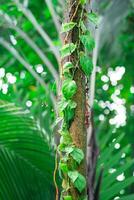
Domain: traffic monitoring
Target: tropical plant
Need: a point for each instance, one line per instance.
(26, 170)
(30, 39)
(114, 163)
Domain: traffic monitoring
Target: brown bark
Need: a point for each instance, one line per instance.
(77, 129)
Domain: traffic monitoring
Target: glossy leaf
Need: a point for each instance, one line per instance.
(68, 26)
(83, 1)
(77, 155)
(69, 88)
(78, 180)
(88, 41)
(86, 64)
(63, 167)
(67, 49)
(93, 17)
(68, 198)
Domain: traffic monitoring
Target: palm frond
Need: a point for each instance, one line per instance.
(113, 165)
(26, 170)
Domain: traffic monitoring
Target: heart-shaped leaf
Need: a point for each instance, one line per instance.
(68, 26)
(86, 64)
(93, 17)
(67, 49)
(69, 88)
(88, 41)
(77, 155)
(78, 180)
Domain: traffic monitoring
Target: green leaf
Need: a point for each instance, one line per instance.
(24, 156)
(86, 64)
(78, 180)
(68, 65)
(93, 17)
(80, 183)
(62, 104)
(66, 70)
(67, 198)
(68, 150)
(88, 41)
(73, 175)
(116, 188)
(82, 2)
(128, 197)
(69, 111)
(109, 180)
(67, 75)
(72, 104)
(77, 155)
(68, 26)
(66, 137)
(63, 167)
(67, 49)
(69, 88)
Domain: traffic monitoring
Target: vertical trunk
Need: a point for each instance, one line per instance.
(77, 128)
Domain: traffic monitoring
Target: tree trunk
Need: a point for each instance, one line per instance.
(77, 128)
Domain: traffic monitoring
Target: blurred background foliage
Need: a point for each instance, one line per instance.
(29, 72)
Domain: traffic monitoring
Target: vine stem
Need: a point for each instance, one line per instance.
(54, 176)
(72, 20)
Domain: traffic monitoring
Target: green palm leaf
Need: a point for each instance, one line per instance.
(111, 159)
(128, 197)
(26, 162)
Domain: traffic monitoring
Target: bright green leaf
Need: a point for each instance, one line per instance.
(86, 64)
(67, 49)
(73, 175)
(68, 150)
(63, 167)
(62, 104)
(72, 104)
(80, 183)
(69, 115)
(67, 139)
(67, 198)
(78, 180)
(93, 17)
(69, 111)
(83, 2)
(68, 65)
(69, 88)
(68, 26)
(88, 41)
(67, 75)
(77, 155)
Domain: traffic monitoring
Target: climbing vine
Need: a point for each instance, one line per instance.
(71, 156)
